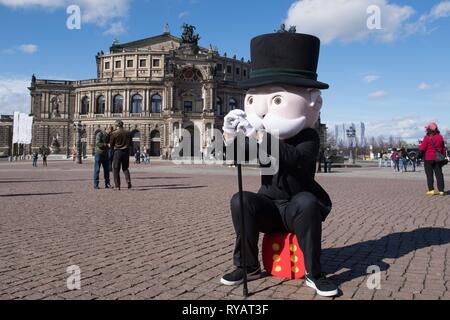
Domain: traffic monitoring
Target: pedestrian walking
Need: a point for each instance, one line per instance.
(327, 160)
(137, 157)
(44, 160)
(435, 158)
(101, 159)
(109, 132)
(321, 160)
(413, 160)
(404, 159)
(395, 160)
(120, 142)
(385, 159)
(35, 158)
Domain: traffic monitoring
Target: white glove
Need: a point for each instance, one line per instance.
(246, 127)
(231, 121)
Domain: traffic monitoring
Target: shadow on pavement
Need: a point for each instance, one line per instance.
(32, 194)
(168, 187)
(357, 257)
(78, 180)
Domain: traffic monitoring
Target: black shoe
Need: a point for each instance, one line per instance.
(96, 187)
(237, 276)
(129, 185)
(108, 186)
(323, 286)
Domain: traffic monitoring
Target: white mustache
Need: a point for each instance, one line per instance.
(284, 128)
(255, 121)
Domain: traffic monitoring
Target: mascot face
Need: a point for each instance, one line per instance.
(282, 110)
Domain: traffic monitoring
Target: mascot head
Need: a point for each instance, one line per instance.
(283, 94)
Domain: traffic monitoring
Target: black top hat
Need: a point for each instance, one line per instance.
(284, 58)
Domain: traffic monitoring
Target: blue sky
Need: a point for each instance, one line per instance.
(395, 78)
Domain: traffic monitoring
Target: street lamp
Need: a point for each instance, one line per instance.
(79, 131)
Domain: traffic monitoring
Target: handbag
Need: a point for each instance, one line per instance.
(439, 157)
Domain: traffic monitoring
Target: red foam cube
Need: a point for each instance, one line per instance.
(282, 256)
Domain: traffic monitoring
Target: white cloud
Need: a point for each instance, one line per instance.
(183, 14)
(370, 78)
(407, 128)
(346, 20)
(439, 11)
(28, 48)
(24, 48)
(378, 94)
(102, 11)
(33, 3)
(99, 12)
(424, 86)
(14, 94)
(115, 29)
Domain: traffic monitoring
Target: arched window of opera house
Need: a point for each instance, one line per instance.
(156, 103)
(117, 104)
(84, 106)
(232, 104)
(100, 105)
(136, 104)
(218, 106)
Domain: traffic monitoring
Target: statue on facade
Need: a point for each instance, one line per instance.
(55, 146)
(282, 29)
(55, 108)
(188, 35)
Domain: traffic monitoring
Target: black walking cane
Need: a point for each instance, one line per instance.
(241, 204)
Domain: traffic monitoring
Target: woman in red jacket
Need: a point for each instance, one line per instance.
(431, 142)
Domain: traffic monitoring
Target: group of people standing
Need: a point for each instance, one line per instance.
(400, 159)
(431, 150)
(35, 158)
(112, 152)
(141, 157)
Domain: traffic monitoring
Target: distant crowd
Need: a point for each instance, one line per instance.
(400, 159)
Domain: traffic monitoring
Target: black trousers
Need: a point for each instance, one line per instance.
(121, 159)
(301, 215)
(431, 169)
(327, 166)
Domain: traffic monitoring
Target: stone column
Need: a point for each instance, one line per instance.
(77, 104)
(108, 102)
(147, 106)
(92, 103)
(126, 103)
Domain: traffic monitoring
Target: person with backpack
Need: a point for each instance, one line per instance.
(413, 160)
(435, 152)
(395, 160)
(35, 158)
(404, 159)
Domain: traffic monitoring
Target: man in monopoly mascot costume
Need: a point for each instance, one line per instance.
(283, 101)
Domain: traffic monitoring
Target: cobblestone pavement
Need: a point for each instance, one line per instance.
(171, 236)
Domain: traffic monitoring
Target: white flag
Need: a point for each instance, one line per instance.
(22, 128)
(16, 128)
(29, 130)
